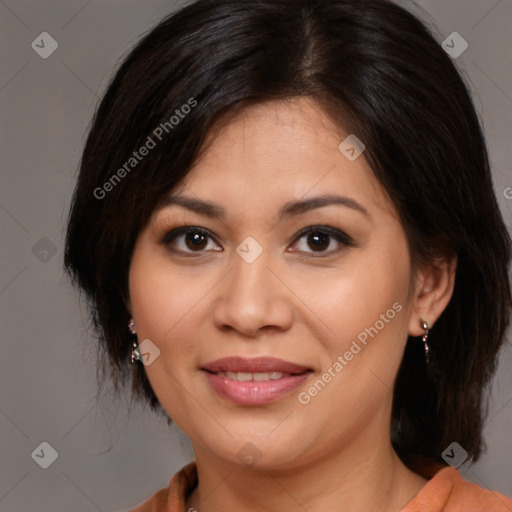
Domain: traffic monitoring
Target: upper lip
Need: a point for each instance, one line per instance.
(255, 365)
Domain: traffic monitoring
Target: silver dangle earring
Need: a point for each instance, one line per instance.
(424, 326)
(135, 356)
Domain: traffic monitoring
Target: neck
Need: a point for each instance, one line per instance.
(361, 475)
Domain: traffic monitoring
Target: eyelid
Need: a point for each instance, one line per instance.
(172, 233)
(342, 238)
(328, 230)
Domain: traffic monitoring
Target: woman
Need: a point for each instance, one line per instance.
(285, 221)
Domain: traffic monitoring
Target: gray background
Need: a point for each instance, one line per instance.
(112, 457)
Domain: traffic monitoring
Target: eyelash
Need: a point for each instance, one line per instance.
(338, 235)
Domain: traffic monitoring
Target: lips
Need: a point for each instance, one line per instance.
(257, 376)
(258, 365)
(253, 382)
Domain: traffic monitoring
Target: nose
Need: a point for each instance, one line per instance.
(252, 299)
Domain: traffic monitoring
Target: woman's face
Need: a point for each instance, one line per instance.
(252, 283)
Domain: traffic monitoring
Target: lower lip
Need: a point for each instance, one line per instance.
(251, 392)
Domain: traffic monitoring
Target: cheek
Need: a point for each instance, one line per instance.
(160, 296)
(379, 321)
(161, 304)
(366, 308)
(150, 297)
(168, 308)
(371, 287)
(146, 297)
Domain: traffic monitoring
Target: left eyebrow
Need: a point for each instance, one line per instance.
(289, 209)
(298, 207)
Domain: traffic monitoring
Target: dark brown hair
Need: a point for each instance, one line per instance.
(377, 71)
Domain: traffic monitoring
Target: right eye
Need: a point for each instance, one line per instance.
(187, 239)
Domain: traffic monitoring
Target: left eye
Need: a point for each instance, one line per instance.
(318, 238)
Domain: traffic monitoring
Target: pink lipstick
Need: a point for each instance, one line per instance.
(256, 381)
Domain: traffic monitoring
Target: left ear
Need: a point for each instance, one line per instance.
(434, 289)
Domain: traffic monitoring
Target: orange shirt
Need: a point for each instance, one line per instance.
(446, 491)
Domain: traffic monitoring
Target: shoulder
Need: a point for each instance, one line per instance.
(447, 491)
(172, 498)
(156, 503)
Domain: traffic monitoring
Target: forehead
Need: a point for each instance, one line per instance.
(278, 151)
(296, 127)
